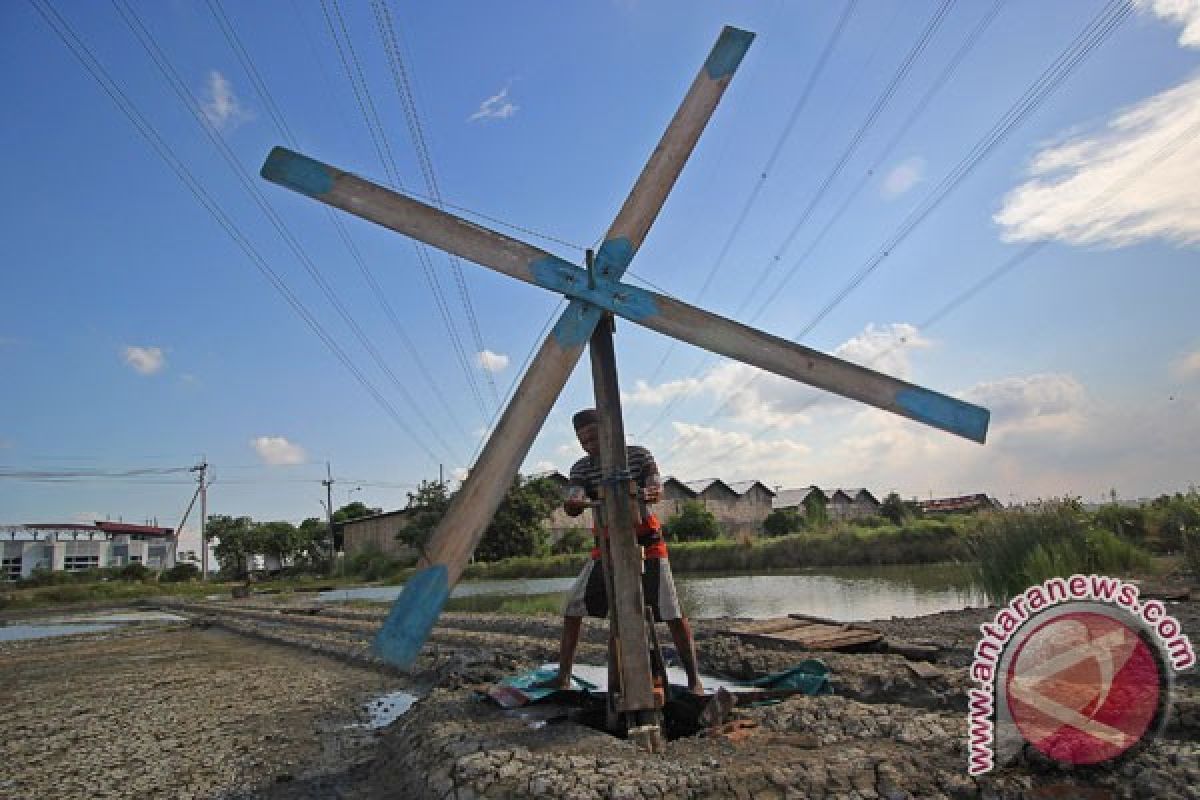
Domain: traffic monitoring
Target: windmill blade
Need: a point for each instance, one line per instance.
(783, 357)
(417, 608)
(650, 309)
(662, 169)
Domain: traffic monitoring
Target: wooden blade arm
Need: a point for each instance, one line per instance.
(662, 169)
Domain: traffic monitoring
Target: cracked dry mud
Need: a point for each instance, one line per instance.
(264, 704)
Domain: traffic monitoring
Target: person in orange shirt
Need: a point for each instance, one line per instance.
(589, 596)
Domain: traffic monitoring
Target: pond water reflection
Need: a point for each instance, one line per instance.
(841, 593)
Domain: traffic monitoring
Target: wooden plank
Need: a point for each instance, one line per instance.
(625, 602)
(790, 360)
(811, 633)
(662, 169)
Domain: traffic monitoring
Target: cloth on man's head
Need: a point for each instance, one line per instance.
(589, 416)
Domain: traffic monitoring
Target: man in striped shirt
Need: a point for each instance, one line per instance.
(589, 596)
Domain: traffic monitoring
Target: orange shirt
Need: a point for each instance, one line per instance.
(649, 527)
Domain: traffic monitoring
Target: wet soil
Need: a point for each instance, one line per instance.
(892, 730)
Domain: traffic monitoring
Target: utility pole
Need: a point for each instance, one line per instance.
(202, 468)
(328, 484)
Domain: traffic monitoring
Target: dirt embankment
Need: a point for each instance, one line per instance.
(891, 731)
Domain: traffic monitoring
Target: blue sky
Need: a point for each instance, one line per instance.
(137, 334)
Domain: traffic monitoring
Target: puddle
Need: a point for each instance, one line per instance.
(68, 624)
(386, 709)
(17, 633)
(598, 675)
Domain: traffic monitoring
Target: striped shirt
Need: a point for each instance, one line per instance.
(587, 474)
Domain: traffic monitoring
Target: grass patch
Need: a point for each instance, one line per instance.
(548, 603)
(1017, 549)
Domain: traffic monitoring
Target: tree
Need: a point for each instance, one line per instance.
(693, 523)
(782, 521)
(354, 511)
(516, 529)
(816, 513)
(425, 510)
(314, 537)
(279, 540)
(894, 509)
(235, 541)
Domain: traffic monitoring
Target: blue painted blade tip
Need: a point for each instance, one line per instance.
(727, 53)
(956, 416)
(412, 617)
(297, 172)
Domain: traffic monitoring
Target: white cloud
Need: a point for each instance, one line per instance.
(220, 105)
(459, 473)
(495, 107)
(1132, 181)
(277, 450)
(704, 451)
(758, 398)
(904, 176)
(1043, 403)
(1183, 12)
(1187, 366)
(492, 362)
(146, 360)
(544, 466)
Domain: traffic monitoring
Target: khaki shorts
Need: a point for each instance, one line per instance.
(589, 596)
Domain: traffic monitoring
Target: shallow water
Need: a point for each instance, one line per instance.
(387, 708)
(839, 593)
(66, 625)
(17, 633)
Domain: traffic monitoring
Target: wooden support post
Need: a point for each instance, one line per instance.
(625, 602)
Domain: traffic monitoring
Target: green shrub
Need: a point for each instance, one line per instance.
(693, 523)
(783, 521)
(1017, 549)
(1191, 552)
(180, 573)
(573, 540)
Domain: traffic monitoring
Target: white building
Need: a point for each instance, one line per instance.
(75, 548)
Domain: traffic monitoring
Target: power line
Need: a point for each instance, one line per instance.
(95, 69)
(1093, 34)
(366, 106)
(767, 168)
(936, 87)
(868, 122)
(277, 116)
(400, 77)
(1101, 199)
(189, 100)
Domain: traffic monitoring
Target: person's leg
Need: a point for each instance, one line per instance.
(685, 645)
(566, 651)
(658, 587)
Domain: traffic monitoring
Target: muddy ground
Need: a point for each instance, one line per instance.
(264, 702)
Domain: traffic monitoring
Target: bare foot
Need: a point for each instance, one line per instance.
(696, 688)
(554, 683)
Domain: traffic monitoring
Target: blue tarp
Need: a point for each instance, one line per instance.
(810, 677)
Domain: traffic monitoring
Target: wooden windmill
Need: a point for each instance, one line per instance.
(596, 293)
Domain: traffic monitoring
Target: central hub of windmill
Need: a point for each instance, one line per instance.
(597, 294)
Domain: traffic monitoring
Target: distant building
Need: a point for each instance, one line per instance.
(72, 547)
(740, 507)
(377, 534)
(839, 504)
(958, 505)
